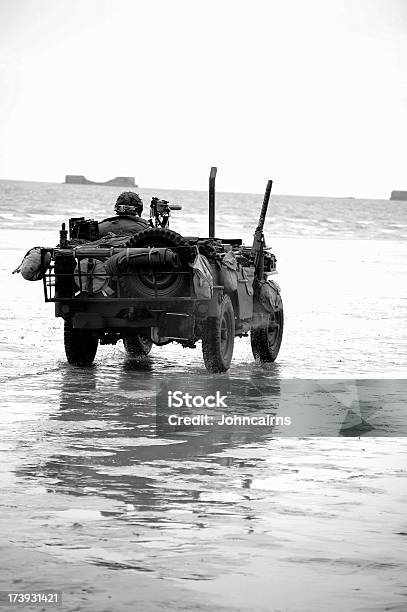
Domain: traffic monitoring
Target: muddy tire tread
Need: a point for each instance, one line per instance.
(135, 348)
(260, 345)
(211, 339)
(80, 345)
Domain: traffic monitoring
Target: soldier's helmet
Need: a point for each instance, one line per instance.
(129, 203)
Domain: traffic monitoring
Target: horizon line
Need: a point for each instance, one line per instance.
(296, 195)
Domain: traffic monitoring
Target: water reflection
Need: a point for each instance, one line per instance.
(197, 505)
(103, 440)
(107, 437)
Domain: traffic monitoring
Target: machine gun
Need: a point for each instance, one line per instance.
(160, 211)
(257, 251)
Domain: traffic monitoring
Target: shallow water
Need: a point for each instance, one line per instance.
(231, 520)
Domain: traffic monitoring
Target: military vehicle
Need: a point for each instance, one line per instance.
(146, 284)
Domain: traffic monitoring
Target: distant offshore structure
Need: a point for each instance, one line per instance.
(118, 181)
(398, 195)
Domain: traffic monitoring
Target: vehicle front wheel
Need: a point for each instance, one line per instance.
(80, 345)
(219, 337)
(138, 345)
(266, 341)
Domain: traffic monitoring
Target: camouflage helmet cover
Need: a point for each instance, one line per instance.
(129, 202)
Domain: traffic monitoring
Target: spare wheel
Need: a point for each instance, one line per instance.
(145, 282)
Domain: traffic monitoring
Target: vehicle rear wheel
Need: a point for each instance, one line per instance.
(219, 337)
(266, 341)
(138, 345)
(80, 345)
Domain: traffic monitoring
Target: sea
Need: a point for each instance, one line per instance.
(116, 512)
(42, 206)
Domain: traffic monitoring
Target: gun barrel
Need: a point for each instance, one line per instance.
(265, 204)
(258, 240)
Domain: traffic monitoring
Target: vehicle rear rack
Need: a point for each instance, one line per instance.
(71, 285)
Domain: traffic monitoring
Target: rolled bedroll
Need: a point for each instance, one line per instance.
(132, 259)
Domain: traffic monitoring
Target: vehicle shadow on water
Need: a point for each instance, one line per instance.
(112, 436)
(104, 461)
(107, 438)
(193, 504)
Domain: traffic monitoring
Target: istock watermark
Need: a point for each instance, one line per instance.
(180, 399)
(212, 405)
(177, 399)
(229, 420)
(263, 405)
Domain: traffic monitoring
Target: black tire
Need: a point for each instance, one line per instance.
(266, 341)
(219, 337)
(142, 283)
(80, 345)
(138, 345)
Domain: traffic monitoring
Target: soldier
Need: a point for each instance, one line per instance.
(128, 220)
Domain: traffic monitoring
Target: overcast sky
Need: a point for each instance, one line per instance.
(310, 93)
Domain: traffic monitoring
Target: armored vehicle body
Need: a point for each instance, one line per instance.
(143, 283)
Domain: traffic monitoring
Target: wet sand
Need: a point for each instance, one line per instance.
(95, 504)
